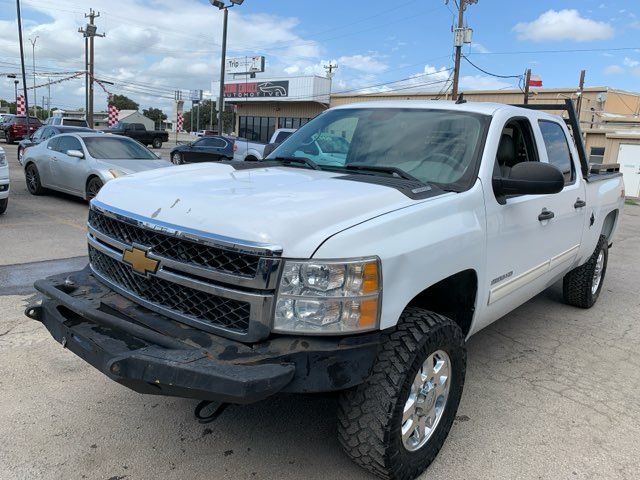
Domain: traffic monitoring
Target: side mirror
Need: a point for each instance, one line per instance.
(529, 178)
(75, 153)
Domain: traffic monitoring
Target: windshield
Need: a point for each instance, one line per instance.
(23, 121)
(435, 146)
(117, 148)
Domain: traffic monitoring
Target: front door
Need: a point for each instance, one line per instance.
(629, 160)
(528, 236)
(71, 171)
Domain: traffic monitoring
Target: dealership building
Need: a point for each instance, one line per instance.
(263, 105)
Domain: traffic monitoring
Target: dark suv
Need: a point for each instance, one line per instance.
(14, 127)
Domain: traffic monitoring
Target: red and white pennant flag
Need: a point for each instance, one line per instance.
(179, 122)
(535, 81)
(113, 114)
(20, 106)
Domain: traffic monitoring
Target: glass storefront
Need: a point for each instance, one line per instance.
(257, 129)
(260, 129)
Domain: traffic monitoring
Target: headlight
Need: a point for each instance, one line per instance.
(117, 173)
(3, 159)
(328, 297)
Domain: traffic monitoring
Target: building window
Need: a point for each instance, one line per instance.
(290, 122)
(257, 129)
(596, 155)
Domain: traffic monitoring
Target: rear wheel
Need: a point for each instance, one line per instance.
(177, 159)
(157, 143)
(395, 423)
(3, 205)
(32, 177)
(581, 287)
(8, 137)
(93, 187)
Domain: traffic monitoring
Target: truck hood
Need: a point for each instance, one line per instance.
(294, 208)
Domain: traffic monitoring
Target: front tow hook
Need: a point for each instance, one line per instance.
(34, 312)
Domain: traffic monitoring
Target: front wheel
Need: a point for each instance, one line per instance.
(156, 143)
(9, 138)
(395, 423)
(581, 287)
(93, 187)
(3, 205)
(32, 177)
(20, 155)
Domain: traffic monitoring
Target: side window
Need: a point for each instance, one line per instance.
(53, 143)
(557, 147)
(68, 143)
(596, 155)
(516, 146)
(37, 135)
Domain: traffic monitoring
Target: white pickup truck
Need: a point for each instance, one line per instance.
(231, 282)
(250, 150)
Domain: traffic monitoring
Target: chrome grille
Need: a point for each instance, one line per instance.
(176, 248)
(196, 304)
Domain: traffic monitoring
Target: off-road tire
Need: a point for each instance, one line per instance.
(32, 178)
(370, 415)
(156, 143)
(3, 205)
(577, 284)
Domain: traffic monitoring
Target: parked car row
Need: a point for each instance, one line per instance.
(14, 127)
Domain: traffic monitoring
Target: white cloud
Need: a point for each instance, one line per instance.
(630, 62)
(614, 70)
(479, 48)
(363, 63)
(565, 24)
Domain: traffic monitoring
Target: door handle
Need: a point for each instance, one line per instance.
(546, 215)
(579, 204)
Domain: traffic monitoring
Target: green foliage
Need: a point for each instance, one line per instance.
(124, 103)
(156, 115)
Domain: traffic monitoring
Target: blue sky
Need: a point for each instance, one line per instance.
(156, 46)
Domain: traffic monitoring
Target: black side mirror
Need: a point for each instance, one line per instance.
(529, 178)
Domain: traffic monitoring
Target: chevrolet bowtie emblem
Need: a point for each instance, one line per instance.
(139, 261)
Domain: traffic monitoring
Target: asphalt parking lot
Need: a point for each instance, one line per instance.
(552, 392)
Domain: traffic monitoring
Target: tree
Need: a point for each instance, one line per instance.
(155, 114)
(124, 103)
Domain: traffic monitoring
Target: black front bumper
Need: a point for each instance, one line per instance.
(150, 353)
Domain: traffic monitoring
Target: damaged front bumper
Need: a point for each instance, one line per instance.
(150, 353)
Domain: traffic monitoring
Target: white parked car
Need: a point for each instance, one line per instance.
(81, 163)
(365, 277)
(4, 181)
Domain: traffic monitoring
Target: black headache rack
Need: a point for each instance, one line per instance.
(574, 124)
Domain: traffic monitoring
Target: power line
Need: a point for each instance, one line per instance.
(489, 73)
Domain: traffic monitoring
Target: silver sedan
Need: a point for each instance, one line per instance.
(81, 163)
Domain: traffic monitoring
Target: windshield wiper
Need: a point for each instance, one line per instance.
(392, 170)
(304, 160)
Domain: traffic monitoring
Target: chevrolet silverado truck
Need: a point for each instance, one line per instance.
(234, 281)
(139, 132)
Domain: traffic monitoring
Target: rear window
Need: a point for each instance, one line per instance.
(23, 121)
(75, 122)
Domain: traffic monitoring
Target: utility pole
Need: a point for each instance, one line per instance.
(580, 92)
(24, 73)
(33, 58)
(330, 74)
(89, 33)
(458, 42)
(15, 87)
(527, 81)
(223, 59)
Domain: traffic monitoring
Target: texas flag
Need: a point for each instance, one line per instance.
(535, 81)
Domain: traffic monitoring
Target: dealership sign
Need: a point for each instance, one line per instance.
(244, 65)
(275, 89)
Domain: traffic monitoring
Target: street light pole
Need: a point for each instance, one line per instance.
(223, 58)
(35, 93)
(24, 74)
(15, 85)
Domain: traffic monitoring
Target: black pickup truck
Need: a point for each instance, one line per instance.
(139, 132)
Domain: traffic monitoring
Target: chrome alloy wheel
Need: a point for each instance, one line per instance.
(597, 273)
(427, 400)
(176, 159)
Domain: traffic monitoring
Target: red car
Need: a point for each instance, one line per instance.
(14, 127)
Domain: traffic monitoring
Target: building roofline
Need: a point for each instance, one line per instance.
(479, 92)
